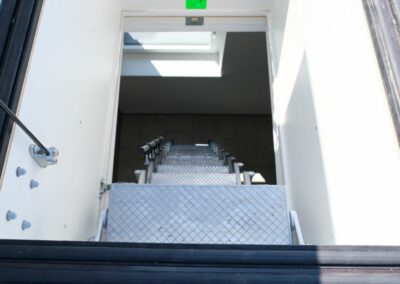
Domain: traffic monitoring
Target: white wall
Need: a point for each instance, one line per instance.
(70, 82)
(340, 153)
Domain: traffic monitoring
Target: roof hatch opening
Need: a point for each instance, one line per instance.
(173, 54)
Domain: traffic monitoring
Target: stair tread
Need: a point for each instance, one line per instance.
(190, 157)
(193, 178)
(198, 214)
(190, 161)
(191, 169)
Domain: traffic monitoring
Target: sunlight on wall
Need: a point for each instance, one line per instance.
(352, 130)
(188, 68)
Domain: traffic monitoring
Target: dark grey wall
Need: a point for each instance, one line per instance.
(243, 89)
(246, 137)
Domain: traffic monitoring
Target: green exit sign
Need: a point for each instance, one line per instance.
(196, 4)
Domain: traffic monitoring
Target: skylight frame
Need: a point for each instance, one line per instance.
(178, 45)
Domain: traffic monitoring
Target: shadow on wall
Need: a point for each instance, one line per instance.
(306, 178)
(146, 65)
(243, 89)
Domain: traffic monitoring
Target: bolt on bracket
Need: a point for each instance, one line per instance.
(41, 158)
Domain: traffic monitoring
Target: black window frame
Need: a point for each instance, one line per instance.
(24, 261)
(384, 22)
(18, 23)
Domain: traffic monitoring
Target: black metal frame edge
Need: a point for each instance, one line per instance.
(200, 254)
(383, 56)
(23, 62)
(52, 261)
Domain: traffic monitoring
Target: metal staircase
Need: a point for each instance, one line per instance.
(194, 194)
(195, 233)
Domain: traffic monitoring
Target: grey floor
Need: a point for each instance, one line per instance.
(247, 137)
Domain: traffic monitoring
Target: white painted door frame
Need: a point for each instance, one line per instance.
(224, 21)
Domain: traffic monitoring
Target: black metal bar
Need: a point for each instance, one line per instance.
(49, 261)
(184, 254)
(10, 114)
(108, 273)
(6, 15)
(13, 53)
(18, 22)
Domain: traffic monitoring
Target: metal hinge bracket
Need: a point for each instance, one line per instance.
(104, 187)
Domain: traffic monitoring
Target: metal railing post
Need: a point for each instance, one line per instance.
(231, 161)
(247, 177)
(295, 227)
(237, 167)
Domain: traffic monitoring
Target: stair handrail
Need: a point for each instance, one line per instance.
(152, 146)
(152, 151)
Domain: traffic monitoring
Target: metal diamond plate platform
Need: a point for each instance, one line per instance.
(193, 178)
(198, 214)
(190, 149)
(191, 157)
(192, 169)
(195, 161)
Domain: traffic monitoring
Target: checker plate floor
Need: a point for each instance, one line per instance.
(198, 214)
(193, 178)
(192, 169)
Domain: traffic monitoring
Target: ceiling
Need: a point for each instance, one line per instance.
(242, 89)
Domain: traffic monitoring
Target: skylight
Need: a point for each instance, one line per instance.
(173, 54)
(170, 41)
